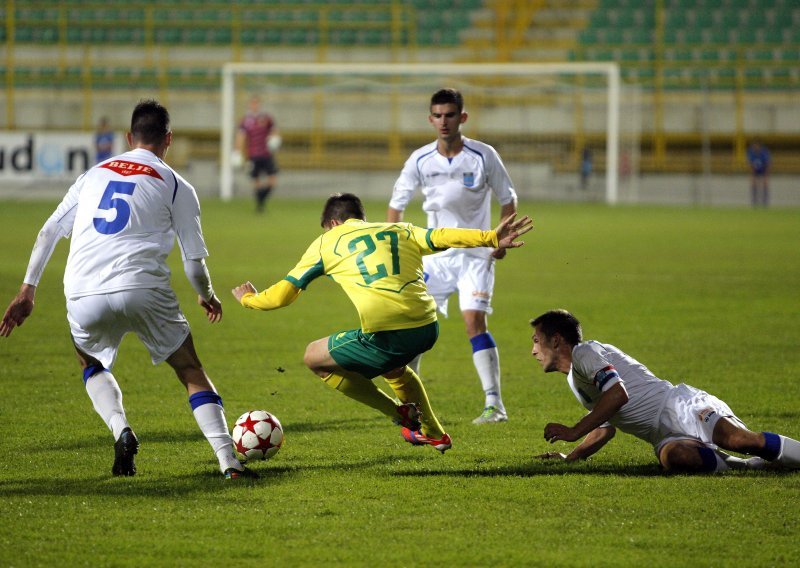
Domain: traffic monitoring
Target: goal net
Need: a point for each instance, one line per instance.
(350, 127)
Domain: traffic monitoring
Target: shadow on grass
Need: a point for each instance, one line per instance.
(566, 470)
(164, 485)
(190, 434)
(534, 470)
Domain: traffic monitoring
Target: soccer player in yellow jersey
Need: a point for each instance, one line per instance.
(379, 265)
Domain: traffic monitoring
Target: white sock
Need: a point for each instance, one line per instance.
(790, 452)
(735, 463)
(211, 419)
(487, 363)
(106, 397)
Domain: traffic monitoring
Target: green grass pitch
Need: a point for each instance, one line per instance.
(709, 297)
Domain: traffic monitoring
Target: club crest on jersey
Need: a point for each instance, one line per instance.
(126, 168)
(469, 179)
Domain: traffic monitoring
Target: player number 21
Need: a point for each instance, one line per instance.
(122, 208)
(380, 269)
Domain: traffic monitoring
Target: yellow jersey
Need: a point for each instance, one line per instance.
(379, 266)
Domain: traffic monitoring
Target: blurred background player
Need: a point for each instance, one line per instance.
(458, 177)
(379, 266)
(258, 139)
(758, 157)
(103, 141)
(586, 167)
(124, 216)
(686, 426)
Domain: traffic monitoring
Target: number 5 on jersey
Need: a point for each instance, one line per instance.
(109, 202)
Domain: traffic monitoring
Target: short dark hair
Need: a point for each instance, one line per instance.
(341, 207)
(448, 96)
(149, 122)
(561, 322)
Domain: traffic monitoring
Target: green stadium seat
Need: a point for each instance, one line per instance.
(589, 36)
(717, 36)
(600, 19)
(728, 19)
(772, 35)
(694, 36)
(753, 18)
(675, 19)
(639, 35)
(791, 54)
(613, 36)
(168, 36)
(701, 18)
(746, 35)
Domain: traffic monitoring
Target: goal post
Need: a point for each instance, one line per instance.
(337, 117)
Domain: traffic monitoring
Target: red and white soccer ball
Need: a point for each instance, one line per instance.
(257, 435)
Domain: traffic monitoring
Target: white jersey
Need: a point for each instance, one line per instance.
(124, 215)
(596, 367)
(457, 191)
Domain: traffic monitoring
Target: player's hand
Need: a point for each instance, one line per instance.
(213, 308)
(241, 290)
(499, 253)
(510, 229)
(18, 310)
(237, 161)
(554, 432)
(551, 456)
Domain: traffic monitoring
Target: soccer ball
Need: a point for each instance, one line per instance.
(257, 435)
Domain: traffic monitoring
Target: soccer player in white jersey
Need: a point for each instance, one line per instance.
(458, 177)
(124, 215)
(686, 426)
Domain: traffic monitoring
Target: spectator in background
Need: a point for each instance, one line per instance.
(759, 159)
(103, 141)
(586, 167)
(258, 139)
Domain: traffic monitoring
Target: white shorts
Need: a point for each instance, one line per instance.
(692, 414)
(98, 323)
(471, 276)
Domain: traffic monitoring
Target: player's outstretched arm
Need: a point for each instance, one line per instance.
(591, 444)
(279, 295)
(18, 309)
(242, 289)
(512, 228)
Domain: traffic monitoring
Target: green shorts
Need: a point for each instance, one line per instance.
(373, 354)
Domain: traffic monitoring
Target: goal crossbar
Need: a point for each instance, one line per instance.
(609, 70)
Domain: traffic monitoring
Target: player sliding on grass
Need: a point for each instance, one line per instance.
(124, 215)
(685, 425)
(379, 265)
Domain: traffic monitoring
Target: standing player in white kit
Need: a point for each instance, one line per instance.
(124, 215)
(458, 177)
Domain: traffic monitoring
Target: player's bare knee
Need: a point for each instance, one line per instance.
(680, 457)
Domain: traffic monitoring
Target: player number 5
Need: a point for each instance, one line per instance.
(122, 208)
